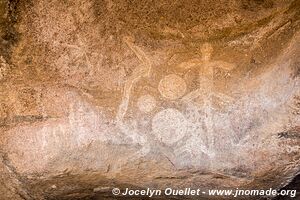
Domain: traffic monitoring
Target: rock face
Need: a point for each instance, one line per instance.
(96, 94)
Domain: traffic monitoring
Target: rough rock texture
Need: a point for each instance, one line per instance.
(96, 94)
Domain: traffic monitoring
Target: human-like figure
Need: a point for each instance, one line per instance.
(206, 68)
(140, 72)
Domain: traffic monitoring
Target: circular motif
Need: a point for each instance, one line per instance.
(169, 126)
(172, 87)
(146, 103)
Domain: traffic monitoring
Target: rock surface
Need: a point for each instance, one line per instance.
(96, 94)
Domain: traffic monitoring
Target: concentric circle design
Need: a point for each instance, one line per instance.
(169, 126)
(172, 87)
(146, 103)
